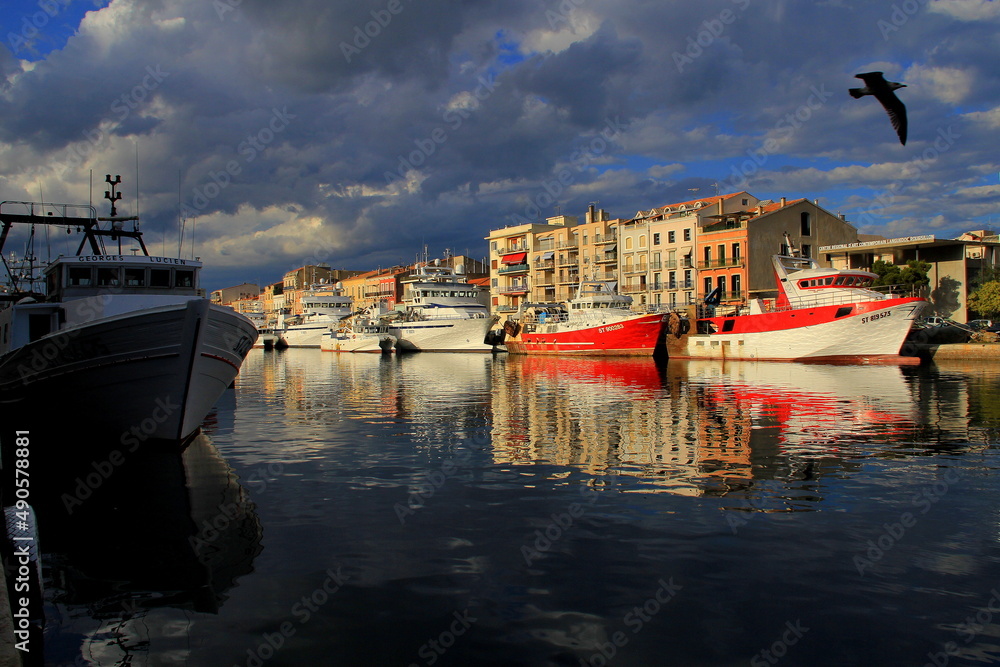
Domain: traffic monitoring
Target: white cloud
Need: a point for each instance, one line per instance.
(966, 10)
(947, 84)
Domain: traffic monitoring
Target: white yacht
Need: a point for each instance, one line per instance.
(324, 307)
(121, 343)
(442, 313)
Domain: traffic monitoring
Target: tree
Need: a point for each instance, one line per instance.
(986, 300)
(913, 274)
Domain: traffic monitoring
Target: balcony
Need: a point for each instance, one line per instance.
(607, 258)
(569, 261)
(655, 266)
(638, 268)
(514, 247)
(567, 244)
(731, 262)
(515, 288)
(547, 265)
(727, 296)
(609, 238)
(513, 269)
(632, 289)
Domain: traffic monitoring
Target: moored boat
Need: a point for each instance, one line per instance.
(124, 343)
(819, 314)
(324, 307)
(365, 333)
(442, 313)
(597, 321)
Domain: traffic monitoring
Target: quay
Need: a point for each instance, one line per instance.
(955, 351)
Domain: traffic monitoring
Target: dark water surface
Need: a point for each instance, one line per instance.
(440, 509)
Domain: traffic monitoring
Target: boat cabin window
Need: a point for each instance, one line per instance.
(81, 276)
(135, 277)
(108, 277)
(159, 277)
(183, 278)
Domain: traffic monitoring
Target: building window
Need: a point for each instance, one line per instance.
(642, 241)
(628, 242)
(722, 254)
(736, 282)
(656, 239)
(721, 284)
(708, 256)
(708, 286)
(671, 237)
(687, 234)
(806, 224)
(746, 202)
(806, 250)
(736, 251)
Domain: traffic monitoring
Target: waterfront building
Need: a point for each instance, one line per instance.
(229, 295)
(956, 264)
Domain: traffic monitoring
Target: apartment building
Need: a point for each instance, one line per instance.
(544, 262)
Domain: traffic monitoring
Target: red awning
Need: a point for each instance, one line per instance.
(516, 258)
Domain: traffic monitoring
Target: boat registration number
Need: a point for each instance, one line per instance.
(876, 316)
(610, 327)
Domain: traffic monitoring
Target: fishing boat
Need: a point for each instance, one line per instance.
(122, 343)
(442, 313)
(819, 314)
(324, 307)
(364, 333)
(597, 321)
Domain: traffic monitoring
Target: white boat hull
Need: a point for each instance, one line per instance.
(304, 335)
(363, 342)
(443, 335)
(876, 333)
(153, 373)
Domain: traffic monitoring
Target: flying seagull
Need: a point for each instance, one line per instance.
(875, 84)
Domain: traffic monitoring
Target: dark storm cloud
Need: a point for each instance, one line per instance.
(360, 131)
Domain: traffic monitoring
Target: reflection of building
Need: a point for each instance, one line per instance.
(693, 427)
(954, 264)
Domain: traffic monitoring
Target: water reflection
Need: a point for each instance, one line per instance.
(164, 529)
(709, 427)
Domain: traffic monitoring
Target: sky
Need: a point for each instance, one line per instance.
(359, 132)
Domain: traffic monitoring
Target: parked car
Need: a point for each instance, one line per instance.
(981, 324)
(933, 321)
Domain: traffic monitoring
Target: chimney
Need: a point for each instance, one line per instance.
(843, 217)
(783, 202)
(590, 213)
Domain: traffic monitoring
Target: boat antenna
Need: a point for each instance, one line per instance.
(137, 184)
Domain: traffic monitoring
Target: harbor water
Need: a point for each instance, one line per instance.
(465, 509)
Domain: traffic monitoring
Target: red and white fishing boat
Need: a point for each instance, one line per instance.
(820, 314)
(597, 321)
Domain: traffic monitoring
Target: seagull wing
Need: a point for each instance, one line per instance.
(896, 111)
(872, 79)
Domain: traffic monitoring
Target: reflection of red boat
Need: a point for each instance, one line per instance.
(643, 375)
(598, 321)
(819, 314)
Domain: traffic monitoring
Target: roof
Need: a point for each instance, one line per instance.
(704, 201)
